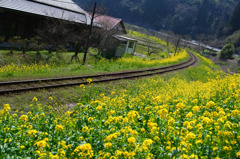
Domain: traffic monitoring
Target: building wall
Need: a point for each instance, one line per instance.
(21, 24)
(120, 29)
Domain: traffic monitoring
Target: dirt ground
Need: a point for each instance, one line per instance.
(232, 65)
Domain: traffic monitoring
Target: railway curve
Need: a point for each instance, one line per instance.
(11, 87)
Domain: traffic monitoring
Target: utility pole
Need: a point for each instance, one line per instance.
(168, 45)
(177, 45)
(89, 34)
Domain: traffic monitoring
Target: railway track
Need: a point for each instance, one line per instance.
(31, 85)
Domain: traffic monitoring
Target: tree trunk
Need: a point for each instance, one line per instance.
(77, 50)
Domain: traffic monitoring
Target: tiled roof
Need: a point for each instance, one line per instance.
(107, 22)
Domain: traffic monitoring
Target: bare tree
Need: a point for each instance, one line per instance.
(103, 30)
(24, 44)
(55, 33)
(13, 41)
(152, 47)
(59, 33)
(37, 45)
(177, 46)
(102, 34)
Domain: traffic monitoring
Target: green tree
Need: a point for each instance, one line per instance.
(234, 21)
(177, 22)
(203, 13)
(227, 52)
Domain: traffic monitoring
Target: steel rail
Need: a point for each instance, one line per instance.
(122, 75)
(88, 76)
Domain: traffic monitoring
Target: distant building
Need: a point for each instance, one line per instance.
(23, 17)
(117, 45)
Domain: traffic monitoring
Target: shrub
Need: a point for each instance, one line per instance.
(234, 39)
(2, 38)
(227, 51)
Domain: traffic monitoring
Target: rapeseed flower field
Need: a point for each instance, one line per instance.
(13, 68)
(152, 38)
(142, 62)
(159, 118)
(34, 70)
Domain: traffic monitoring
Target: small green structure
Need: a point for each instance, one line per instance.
(117, 45)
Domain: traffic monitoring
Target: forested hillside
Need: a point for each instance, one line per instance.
(230, 33)
(191, 17)
(234, 28)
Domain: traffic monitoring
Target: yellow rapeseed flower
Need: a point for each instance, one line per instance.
(238, 154)
(108, 145)
(41, 144)
(89, 80)
(6, 107)
(180, 106)
(24, 118)
(85, 129)
(59, 127)
(99, 108)
(195, 109)
(131, 140)
(22, 146)
(34, 99)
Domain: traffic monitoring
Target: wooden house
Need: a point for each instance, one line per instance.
(23, 17)
(114, 43)
(117, 45)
